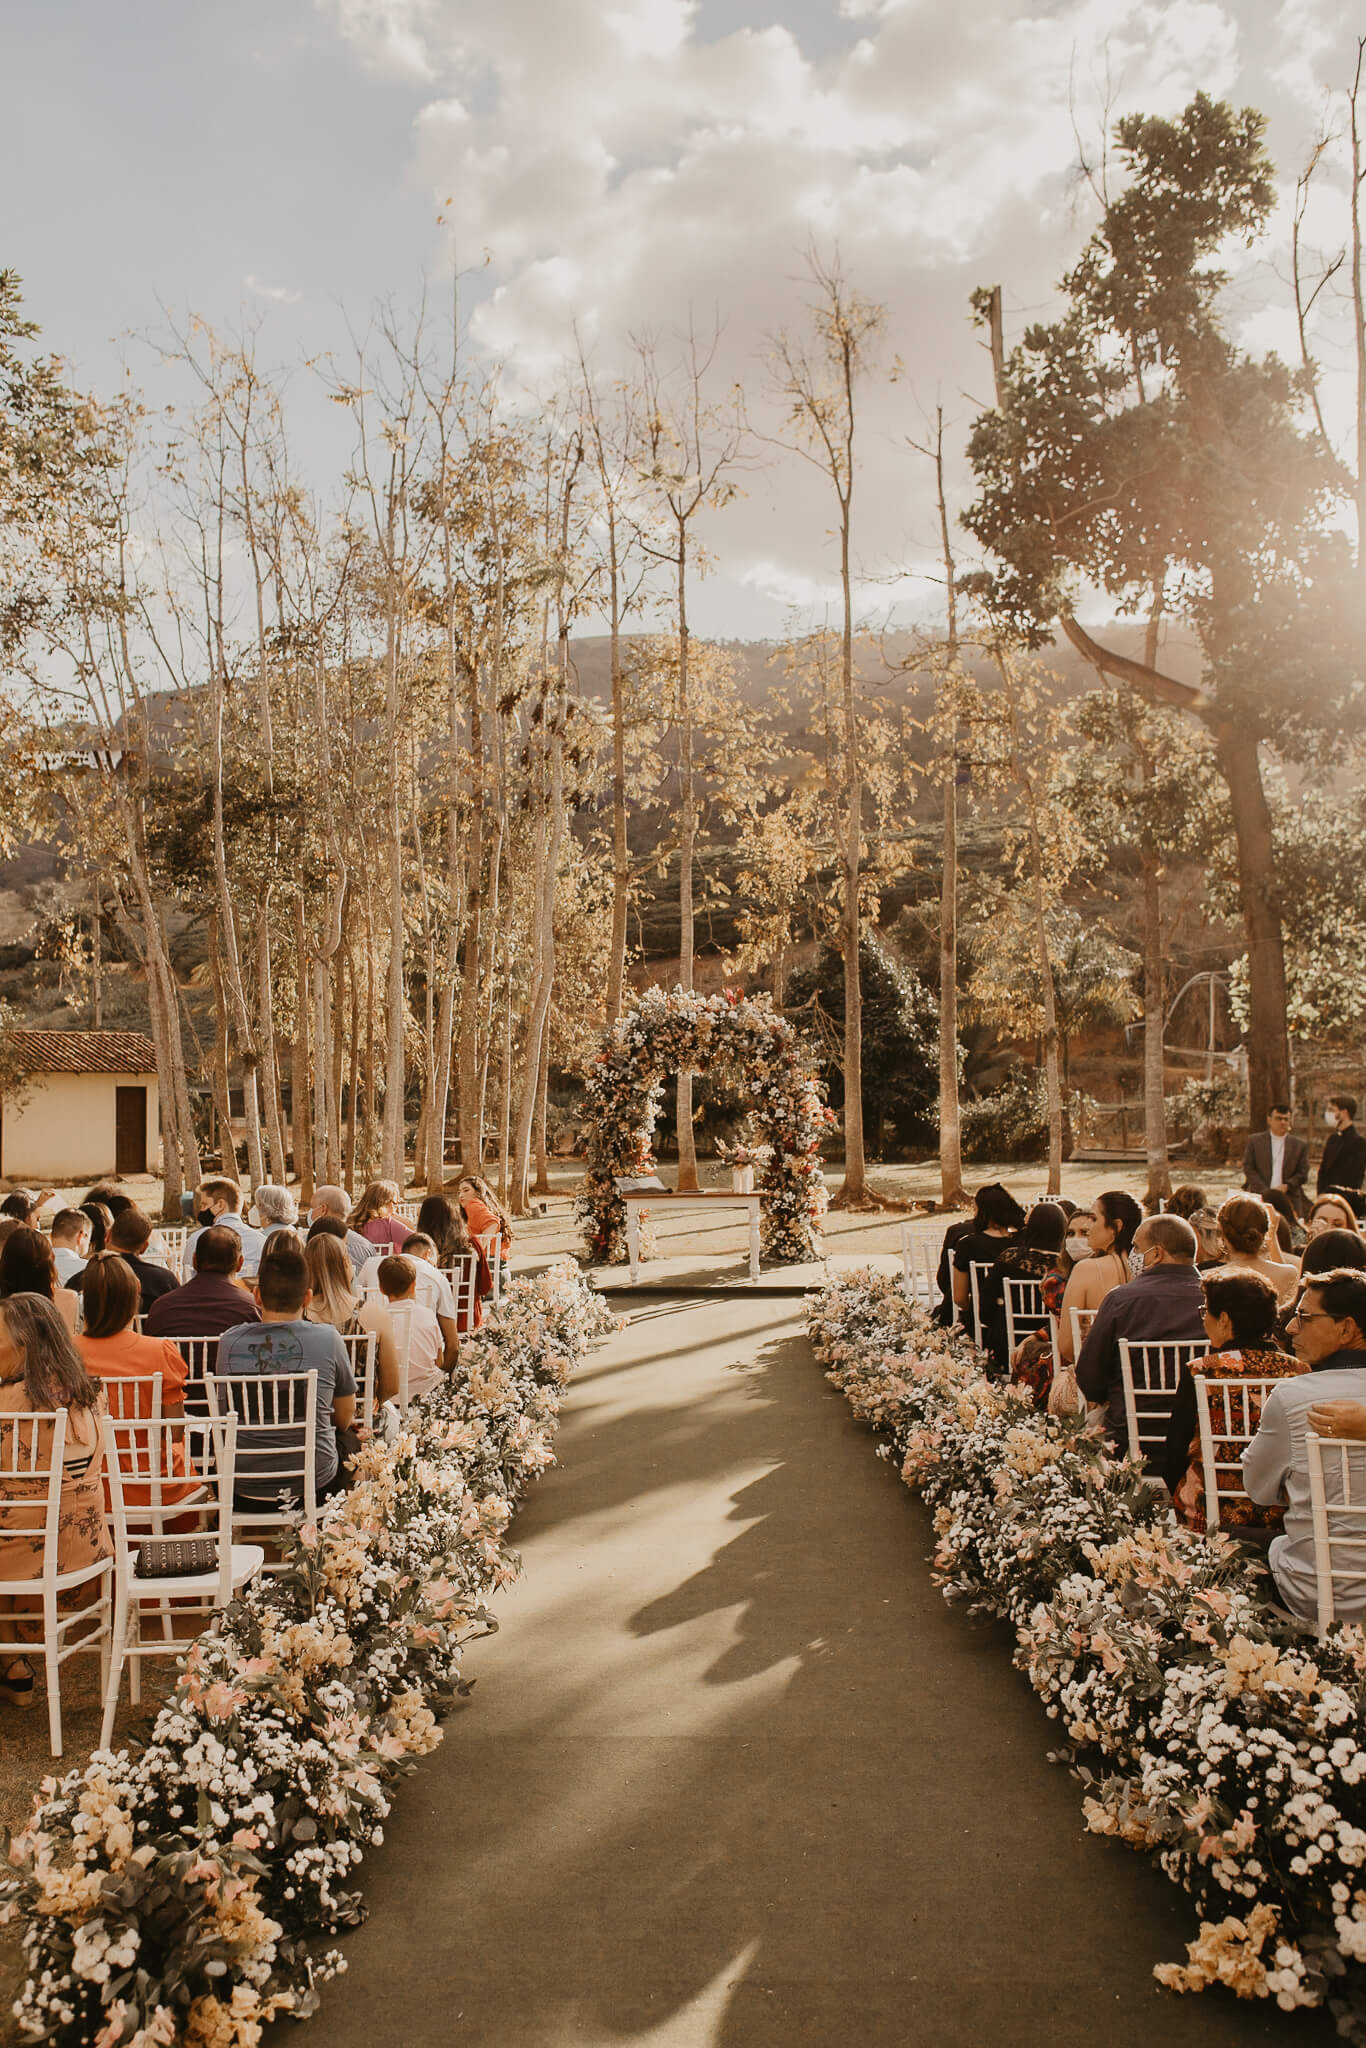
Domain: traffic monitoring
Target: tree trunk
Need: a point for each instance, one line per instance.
(541, 1185)
(687, 840)
(621, 854)
(951, 1194)
(1268, 1048)
(270, 1065)
(301, 1092)
(1154, 1028)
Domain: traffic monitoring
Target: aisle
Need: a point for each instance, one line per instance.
(733, 1776)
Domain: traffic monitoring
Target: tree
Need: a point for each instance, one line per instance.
(688, 450)
(817, 381)
(899, 1036)
(1135, 448)
(1138, 779)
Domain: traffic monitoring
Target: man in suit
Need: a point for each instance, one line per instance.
(1343, 1165)
(1276, 1164)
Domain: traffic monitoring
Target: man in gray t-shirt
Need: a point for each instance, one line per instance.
(283, 1342)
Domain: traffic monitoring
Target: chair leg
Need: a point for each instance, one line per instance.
(54, 1692)
(113, 1677)
(133, 1639)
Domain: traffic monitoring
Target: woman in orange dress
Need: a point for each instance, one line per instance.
(484, 1214)
(113, 1350)
(41, 1372)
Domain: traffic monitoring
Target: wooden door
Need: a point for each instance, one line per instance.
(130, 1130)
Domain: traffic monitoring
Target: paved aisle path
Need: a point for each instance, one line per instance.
(733, 1775)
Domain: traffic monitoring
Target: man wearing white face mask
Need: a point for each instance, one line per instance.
(1343, 1164)
(1162, 1303)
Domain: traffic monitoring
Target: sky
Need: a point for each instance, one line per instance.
(617, 169)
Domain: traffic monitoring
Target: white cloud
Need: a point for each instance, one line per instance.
(280, 293)
(626, 173)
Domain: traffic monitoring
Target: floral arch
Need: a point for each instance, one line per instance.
(741, 1038)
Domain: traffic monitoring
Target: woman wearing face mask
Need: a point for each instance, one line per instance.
(1330, 1212)
(1033, 1256)
(1110, 1225)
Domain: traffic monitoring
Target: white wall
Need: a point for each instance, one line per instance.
(62, 1128)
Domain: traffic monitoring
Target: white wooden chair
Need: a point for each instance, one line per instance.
(1081, 1320)
(490, 1244)
(207, 1448)
(1228, 1412)
(1337, 1507)
(1025, 1313)
(276, 1445)
(362, 1348)
(401, 1323)
(170, 1252)
(918, 1262)
(463, 1280)
(200, 1355)
(976, 1268)
(1150, 1373)
(31, 1506)
(407, 1211)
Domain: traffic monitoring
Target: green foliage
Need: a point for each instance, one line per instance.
(1141, 452)
(1320, 859)
(1012, 1123)
(900, 1038)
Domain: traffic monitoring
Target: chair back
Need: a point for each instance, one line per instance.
(976, 1268)
(171, 1251)
(362, 1348)
(1151, 1373)
(407, 1211)
(276, 1439)
(136, 1397)
(200, 1355)
(204, 1446)
(31, 1484)
(463, 1281)
(1081, 1320)
(1337, 1507)
(490, 1243)
(1025, 1312)
(1229, 1412)
(918, 1262)
(401, 1323)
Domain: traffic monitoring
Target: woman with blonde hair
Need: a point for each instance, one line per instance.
(1248, 1227)
(1330, 1211)
(335, 1301)
(374, 1216)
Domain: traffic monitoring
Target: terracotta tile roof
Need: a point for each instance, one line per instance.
(82, 1052)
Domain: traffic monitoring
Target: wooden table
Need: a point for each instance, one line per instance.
(703, 1198)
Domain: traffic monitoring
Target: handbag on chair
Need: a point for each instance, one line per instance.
(176, 1557)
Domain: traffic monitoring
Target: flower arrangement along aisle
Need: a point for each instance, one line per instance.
(742, 1039)
(1207, 1731)
(171, 1896)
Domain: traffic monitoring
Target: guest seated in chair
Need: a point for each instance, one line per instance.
(211, 1302)
(1330, 1340)
(27, 1266)
(1240, 1322)
(284, 1341)
(1160, 1305)
(41, 1372)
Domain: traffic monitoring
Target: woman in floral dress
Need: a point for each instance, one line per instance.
(1240, 1322)
(41, 1372)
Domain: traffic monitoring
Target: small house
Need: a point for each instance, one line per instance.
(85, 1109)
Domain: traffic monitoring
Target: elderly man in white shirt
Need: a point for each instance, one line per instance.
(1330, 1338)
